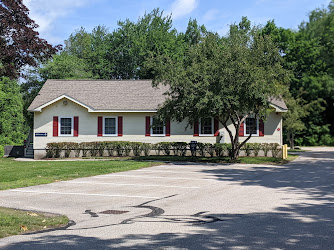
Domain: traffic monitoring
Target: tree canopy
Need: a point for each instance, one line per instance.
(229, 78)
(19, 41)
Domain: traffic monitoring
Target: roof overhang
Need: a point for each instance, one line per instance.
(278, 109)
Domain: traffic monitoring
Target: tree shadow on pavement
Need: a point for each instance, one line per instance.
(296, 227)
(312, 175)
(306, 225)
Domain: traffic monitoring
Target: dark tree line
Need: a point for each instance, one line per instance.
(20, 45)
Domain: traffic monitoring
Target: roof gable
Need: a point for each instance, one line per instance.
(102, 95)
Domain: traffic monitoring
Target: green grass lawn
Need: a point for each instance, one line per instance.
(14, 174)
(13, 222)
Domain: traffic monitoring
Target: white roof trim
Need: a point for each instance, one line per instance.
(39, 109)
(278, 109)
(121, 111)
(90, 110)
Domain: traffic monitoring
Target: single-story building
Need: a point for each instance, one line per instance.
(123, 110)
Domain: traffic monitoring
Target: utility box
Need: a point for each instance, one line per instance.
(14, 151)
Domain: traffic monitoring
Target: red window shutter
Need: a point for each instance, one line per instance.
(261, 128)
(76, 126)
(147, 126)
(168, 127)
(99, 126)
(196, 130)
(120, 126)
(241, 130)
(216, 126)
(55, 126)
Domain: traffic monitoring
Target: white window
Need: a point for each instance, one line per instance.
(66, 126)
(251, 126)
(206, 126)
(157, 127)
(110, 126)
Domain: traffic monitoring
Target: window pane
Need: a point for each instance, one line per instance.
(206, 126)
(109, 126)
(65, 126)
(157, 127)
(251, 126)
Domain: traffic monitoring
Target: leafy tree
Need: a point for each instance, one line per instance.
(11, 113)
(311, 58)
(66, 66)
(308, 53)
(229, 78)
(194, 33)
(292, 123)
(19, 42)
(134, 43)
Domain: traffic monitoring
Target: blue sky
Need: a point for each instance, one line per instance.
(59, 18)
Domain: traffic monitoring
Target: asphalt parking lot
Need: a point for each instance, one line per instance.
(188, 206)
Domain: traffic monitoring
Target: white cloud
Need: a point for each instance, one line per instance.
(211, 15)
(45, 13)
(180, 8)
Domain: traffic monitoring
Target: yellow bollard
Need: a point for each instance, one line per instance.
(285, 151)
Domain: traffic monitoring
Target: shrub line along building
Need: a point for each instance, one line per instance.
(123, 110)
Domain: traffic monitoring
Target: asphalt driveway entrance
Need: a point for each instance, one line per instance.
(189, 206)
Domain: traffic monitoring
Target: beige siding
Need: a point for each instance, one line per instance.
(133, 128)
(272, 131)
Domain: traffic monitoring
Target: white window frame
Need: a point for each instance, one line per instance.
(200, 127)
(116, 125)
(151, 129)
(257, 127)
(59, 125)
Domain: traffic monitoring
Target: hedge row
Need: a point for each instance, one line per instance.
(125, 148)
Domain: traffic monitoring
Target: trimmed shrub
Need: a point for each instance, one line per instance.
(219, 149)
(247, 147)
(166, 147)
(256, 148)
(68, 147)
(93, 148)
(110, 147)
(157, 148)
(53, 150)
(265, 148)
(180, 148)
(127, 147)
(201, 149)
(101, 146)
(146, 147)
(84, 146)
(275, 149)
(228, 149)
(209, 148)
(77, 149)
(137, 148)
(119, 149)
(2, 150)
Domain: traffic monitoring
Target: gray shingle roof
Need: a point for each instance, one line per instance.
(279, 102)
(136, 95)
(103, 94)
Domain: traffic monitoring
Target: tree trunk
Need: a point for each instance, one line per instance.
(292, 143)
(235, 145)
